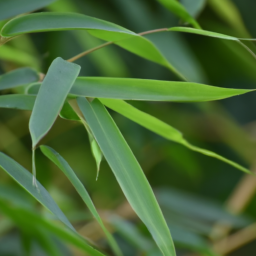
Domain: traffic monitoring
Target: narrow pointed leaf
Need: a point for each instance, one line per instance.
(12, 8)
(203, 32)
(18, 77)
(157, 126)
(151, 90)
(144, 48)
(43, 22)
(178, 9)
(24, 179)
(128, 172)
(148, 90)
(73, 113)
(67, 170)
(51, 97)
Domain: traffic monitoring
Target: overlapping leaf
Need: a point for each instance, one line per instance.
(51, 96)
(148, 90)
(43, 22)
(157, 126)
(18, 77)
(179, 10)
(24, 178)
(128, 172)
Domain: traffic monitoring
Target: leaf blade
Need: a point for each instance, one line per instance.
(24, 178)
(128, 172)
(18, 77)
(152, 90)
(46, 21)
(157, 126)
(51, 96)
(67, 170)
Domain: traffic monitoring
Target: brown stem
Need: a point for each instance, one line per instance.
(89, 51)
(108, 43)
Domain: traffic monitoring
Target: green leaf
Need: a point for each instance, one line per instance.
(150, 90)
(144, 48)
(157, 126)
(68, 113)
(12, 8)
(144, 89)
(67, 170)
(203, 32)
(24, 179)
(43, 22)
(128, 172)
(28, 219)
(18, 77)
(17, 101)
(51, 97)
(178, 9)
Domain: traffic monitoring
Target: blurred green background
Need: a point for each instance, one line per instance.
(192, 189)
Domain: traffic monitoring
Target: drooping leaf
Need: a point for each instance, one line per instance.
(178, 9)
(24, 179)
(67, 170)
(157, 126)
(18, 77)
(12, 8)
(72, 113)
(46, 21)
(51, 97)
(128, 172)
(144, 48)
(152, 90)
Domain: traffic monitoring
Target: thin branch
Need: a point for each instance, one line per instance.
(247, 49)
(89, 51)
(108, 43)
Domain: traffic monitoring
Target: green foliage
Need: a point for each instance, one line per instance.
(61, 103)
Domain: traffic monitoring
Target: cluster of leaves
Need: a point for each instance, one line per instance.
(61, 92)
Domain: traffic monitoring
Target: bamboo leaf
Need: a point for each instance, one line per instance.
(24, 179)
(18, 77)
(67, 170)
(51, 97)
(178, 9)
(157, 126)
(12, 8)
(152, 90)
(203, 32)
(46, 21)
(26, 218)
(128, 172)
(144, 89)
